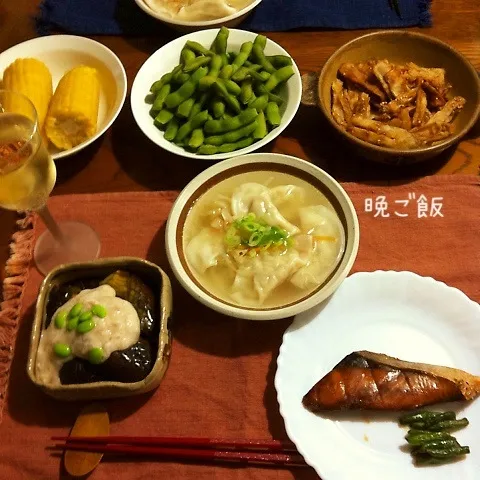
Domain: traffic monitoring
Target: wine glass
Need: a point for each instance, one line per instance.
(27, 176)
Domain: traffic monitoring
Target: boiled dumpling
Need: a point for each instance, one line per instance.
(320, 221)
(205, 248)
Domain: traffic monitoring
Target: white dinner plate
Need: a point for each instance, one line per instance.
(397, 313)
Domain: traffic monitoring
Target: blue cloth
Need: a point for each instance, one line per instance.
(124, 17)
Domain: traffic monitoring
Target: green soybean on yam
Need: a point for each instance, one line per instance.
(197, 63)
(197, 121)
(232, 136)
(228, 124)
(171, 130)
(261, 130)
(196, 139)
(187, 55)
(160, 97)
(185, 108)
(174, 99)
(259, 103)
(163, 117)
(198, 48)
(273, 114)
(280, 76)
(220, 42)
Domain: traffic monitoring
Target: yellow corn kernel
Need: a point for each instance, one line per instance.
(72, 116)
(32, 78)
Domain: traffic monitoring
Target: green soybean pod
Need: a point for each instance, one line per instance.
(261, 130)
(163, 117)
(197, 121)
(233, 136)
(273, 114)
(166, 78)
(259, 103)
(198, 105)
(259, 56)
(280, 76)
(171, 130)
(207, 150)
(186, 90)
(279, 61)
(225, 60)
(206, 82)
(262, 76)
(243, 55)
(196, 139)
(260, 88)
(230, 100)
(187, 55)
(160, 98)
(218, 108)
(226, 72)
(228, 124)
(231, 147)
(260, 41)
(215, 66)
(219, 44)
(198, 48)
(232, 87)
(180, 78)
(246, 91)
(185, 108)
(197, 63)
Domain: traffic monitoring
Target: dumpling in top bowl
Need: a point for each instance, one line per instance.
(262, 239)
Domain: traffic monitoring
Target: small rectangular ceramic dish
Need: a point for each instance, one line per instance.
(160, 282)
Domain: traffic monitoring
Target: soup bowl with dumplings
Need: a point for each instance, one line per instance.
(262, 236)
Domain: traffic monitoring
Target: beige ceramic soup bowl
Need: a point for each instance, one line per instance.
(261, 162)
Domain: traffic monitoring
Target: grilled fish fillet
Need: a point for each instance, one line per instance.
(372, 381)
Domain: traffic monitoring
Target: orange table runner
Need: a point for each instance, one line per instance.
(220, 379)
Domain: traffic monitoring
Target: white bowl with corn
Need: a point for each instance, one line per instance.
(78, 87)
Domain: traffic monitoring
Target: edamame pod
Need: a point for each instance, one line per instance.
(261, 130)
(198, 105)
(280, 76)
(186, 90)
(225, 148)
(243, 72)
(260, 88)
(198, 48)
(197, 63)
(259, 103)
(273, 114)
(279, 61)
(246, 91)
(197, 121)
(187, 56)
(196, 139)
(160, 98)
(260, 41)
(171, 130)
(167, 78)
(163, 117)
(185, 107)
(259, 56)
(218, 108)
(215, 66)
(262, 76)
(230, 100)
(229, 124)
(226, 72)
(243, 55)
(219, 45)
(233, 136)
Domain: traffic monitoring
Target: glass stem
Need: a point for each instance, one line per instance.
(51, 224)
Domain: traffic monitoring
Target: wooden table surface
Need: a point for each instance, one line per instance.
(125, 160)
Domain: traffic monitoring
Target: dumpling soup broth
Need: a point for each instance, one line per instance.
(262, 239)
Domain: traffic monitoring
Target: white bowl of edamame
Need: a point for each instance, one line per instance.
(215, 94)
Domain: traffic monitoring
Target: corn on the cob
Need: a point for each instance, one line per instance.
(72, 116)
(32, 78)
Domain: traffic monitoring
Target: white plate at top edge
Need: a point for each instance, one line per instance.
(60, 53)
(397, 313)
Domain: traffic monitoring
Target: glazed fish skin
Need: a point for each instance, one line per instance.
(370, 381)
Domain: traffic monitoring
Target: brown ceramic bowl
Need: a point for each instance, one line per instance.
(160, 282)
(399, 47)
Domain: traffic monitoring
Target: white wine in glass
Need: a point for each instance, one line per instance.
(27, 176)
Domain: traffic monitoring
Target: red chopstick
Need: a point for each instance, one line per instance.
(206, 443)
(166, 453)
(264, 452)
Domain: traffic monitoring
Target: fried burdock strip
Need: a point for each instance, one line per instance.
(446, 114)
(352, 73)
